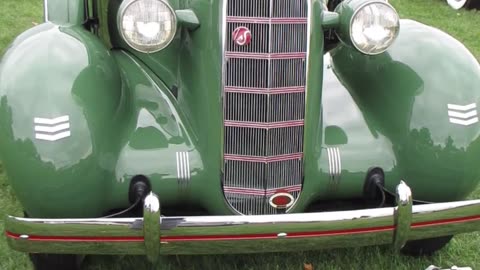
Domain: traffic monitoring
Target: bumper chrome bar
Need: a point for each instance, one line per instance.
(154, 235)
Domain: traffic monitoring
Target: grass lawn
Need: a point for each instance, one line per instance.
(18, 15)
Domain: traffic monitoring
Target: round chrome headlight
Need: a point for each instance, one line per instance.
(373, 27)
(147, 25)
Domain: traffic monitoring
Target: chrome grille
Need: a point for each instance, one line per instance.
(252, 107)
(264, 102)
(285, 38)
(261, 8)
(263, 142)
(287, 72)
(248, 8)
(265, 73)
(247, 72)
(289, 8)
(257, 45)
(289, 38)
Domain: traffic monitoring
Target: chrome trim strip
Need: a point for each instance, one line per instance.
(463, 115)
(45, 10)
(307, 74)
(330, 164)
(223, 38)
(179, 171)
(223, 31)
(151, 226)
(51, 121)
(309, 39)
(187, 158)
(334, 165)
(339, 161)
(334, 161)
(183, 166)
(462, 107)
(52, 129)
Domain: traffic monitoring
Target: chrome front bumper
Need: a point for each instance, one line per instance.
(154, 234)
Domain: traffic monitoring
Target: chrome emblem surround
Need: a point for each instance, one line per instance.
(271, 201)
(242, 36)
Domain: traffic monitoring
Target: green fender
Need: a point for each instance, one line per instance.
(78, 122)
(422, 95)
(60, 94)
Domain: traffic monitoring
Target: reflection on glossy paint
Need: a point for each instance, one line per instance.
(346, 127)
(155, 137)
(55, 80)
(406, 98)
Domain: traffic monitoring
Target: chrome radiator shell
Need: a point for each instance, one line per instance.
(264, 102)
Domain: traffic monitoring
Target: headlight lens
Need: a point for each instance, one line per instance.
(374, 27)
(147, 25)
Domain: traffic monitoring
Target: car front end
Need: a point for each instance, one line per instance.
(290, 125)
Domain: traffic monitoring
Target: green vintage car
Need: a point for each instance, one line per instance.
(236, 126)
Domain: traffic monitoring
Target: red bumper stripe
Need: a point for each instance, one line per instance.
(197, 238)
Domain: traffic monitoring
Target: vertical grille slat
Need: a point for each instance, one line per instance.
(264, 99)
(289, 8)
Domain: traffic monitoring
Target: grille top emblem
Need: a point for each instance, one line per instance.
(242, 36)
(281, 200)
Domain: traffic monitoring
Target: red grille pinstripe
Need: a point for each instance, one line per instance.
(271, 91)
(263, 159)
(265, 55)
(236, 19)
(261, 192)
(283, 124)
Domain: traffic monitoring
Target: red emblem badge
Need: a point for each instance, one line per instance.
(281, 200)
(242, 36)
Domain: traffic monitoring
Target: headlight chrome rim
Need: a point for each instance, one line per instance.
(355, 13)
(121, 12)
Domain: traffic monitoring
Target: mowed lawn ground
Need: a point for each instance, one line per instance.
(464, 250)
